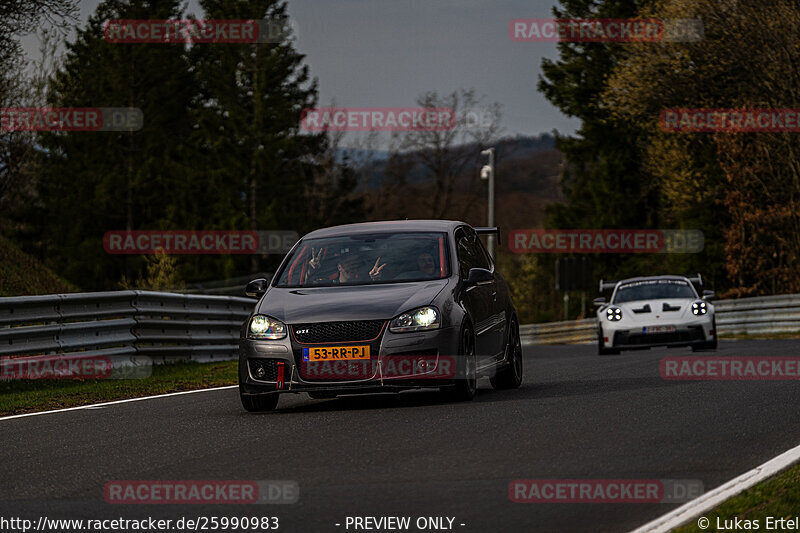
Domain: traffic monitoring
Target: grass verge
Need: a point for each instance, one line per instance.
(776, 497)
(21, 274)
(27, 396)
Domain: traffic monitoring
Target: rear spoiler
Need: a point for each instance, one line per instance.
(608, 285)
(494, 230)
(696, 280)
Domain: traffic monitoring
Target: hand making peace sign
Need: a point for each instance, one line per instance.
(375, 273)
(316, 259)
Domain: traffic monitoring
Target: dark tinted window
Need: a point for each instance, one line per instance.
(469, 253)
(483, 255)
(653, 290)
(366, 259)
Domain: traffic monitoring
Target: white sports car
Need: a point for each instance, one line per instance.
(655, 311)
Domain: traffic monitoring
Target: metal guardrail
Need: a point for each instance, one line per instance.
(753, 316)
(167, 326)
(559, 332)
(160, 325)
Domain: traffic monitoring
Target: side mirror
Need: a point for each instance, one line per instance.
(708, 295)
(479, 276)
(599, 302)
(256, 288)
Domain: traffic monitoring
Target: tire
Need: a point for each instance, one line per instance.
(601, 349)
(710, 345)
(465, 388)
(259, 404)
(510, 376)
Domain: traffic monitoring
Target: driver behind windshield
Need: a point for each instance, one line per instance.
(350, 267)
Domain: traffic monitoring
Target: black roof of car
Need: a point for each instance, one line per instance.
(386, 226)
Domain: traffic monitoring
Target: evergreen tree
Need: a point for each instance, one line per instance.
(248, 135)
(93, 182)
(603, 181)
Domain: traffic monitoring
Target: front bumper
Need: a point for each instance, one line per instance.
(626, 336)
(398, 361)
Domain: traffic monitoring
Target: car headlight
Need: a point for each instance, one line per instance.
(613, 314)
(264, 327)
(699, 308)
(420, 319)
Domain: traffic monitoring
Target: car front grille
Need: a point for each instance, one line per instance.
(356, 331)
(692, 334)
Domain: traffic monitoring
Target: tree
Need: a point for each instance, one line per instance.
(603, 179)
(444, 156)
(18, 17)
(743, 189)
(17, 149)
(248, 137)
(330, 195)
(93, 182)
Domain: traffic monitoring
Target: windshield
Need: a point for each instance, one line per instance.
(366, 259)
(655, 289)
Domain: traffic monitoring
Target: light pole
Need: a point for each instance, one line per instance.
(487, 172)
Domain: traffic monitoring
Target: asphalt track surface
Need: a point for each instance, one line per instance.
(576, 416)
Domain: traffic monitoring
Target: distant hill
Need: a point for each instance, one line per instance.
(506, 150)
(527, 180)
(22, 275)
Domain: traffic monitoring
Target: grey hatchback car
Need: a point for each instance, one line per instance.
(380, 307)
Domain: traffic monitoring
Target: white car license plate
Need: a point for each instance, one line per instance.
(658, 329)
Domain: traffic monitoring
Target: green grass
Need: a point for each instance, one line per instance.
(26, 396)
(23, 275)
(778, 496)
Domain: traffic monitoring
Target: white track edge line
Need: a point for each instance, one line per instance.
(709, 500)
(114, 402)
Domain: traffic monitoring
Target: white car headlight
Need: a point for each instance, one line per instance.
(264, 327)
(421, 319)
(699, 308)
(613, 314)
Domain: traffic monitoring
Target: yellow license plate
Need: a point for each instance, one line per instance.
(335, 353)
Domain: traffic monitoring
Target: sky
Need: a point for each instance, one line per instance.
(386, 53)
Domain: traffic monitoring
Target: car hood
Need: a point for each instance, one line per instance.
(331, 304)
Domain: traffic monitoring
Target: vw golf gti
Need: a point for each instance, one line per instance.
(380, 307)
